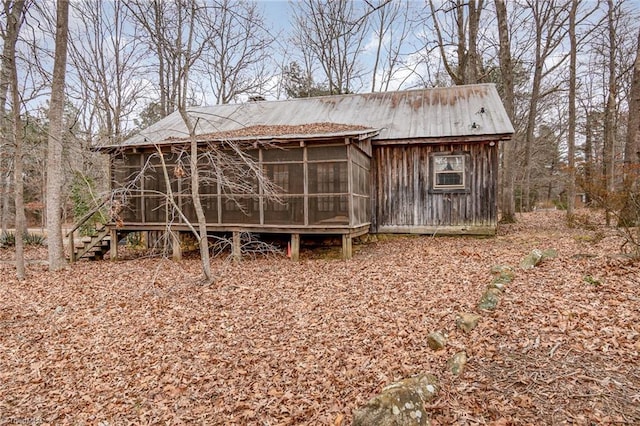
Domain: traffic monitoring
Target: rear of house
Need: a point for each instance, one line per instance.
(419, 161)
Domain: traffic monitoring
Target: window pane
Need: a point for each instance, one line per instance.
(448, 179)
(320, 153)
(132, 160)
(154, 209)
(288, 211)
(328, 210)
(240, 210)
(449, 163)
(279, 155)
(288, 178)
(328, 178)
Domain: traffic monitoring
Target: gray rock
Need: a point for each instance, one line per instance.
(436, 341)
(467, 322)
(531, 260)
(457, 363)
(489, 300)
(501, 269)
(502, 275)
(399, 404)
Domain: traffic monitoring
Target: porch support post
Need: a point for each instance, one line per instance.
(72, 248)
(113, 244)
(236, 248)
(295, 247)
(347, 246)
(175, 246)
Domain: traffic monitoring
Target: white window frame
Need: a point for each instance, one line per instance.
(457, 163)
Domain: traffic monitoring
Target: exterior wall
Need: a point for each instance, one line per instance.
(405, 201)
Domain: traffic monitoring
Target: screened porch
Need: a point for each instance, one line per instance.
(302, 187)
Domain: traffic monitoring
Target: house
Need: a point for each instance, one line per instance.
(419, 161)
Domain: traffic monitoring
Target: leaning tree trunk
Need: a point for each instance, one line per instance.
(55, 171)
(195, 196)
(193, 160)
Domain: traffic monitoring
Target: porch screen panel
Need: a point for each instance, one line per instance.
(328, 193)
(288, 179)
(240, 209)
(125, 178)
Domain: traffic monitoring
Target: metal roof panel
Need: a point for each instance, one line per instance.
(471, 110)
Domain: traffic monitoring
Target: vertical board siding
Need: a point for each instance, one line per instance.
(403, 181)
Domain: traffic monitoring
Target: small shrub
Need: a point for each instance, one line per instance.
(8, 239)
(82, 188)
(32, 239)
(582, 221)
(134, 240)
(592, 280)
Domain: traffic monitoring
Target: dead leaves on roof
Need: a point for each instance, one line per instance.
(265, 131)
(276, 342)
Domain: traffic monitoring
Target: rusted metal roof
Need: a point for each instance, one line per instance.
(459, 111)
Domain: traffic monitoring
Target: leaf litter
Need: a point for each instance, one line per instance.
(274, 342)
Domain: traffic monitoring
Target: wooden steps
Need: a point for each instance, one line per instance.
(93, 247)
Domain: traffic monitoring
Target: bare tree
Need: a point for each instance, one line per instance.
(550, 19)
(108, 64)
(334, 33)
(14, 12)
(8, 52)
(161, 26)
(193, 148)
(608, 169)
(391, 28)
(467, 66)
(55, 171)
(238, 50)
(571, 137)
(508, 151)
(630, 214)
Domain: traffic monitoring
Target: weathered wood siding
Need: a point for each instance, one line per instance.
(405, 202)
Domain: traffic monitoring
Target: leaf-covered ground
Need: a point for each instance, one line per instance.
(275, 342)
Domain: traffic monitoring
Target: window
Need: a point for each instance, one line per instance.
(449, 172)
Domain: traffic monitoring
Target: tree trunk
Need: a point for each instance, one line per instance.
(5, 177)
(508, 205)
(609, 117)
(571, 137)
(630, 214)
(21, 222)
(8, 52)
(588, 157)
(14, 21)
(55, 171)
(195, 195)
(193, 159)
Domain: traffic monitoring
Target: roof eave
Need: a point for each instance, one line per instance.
(359, 135)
